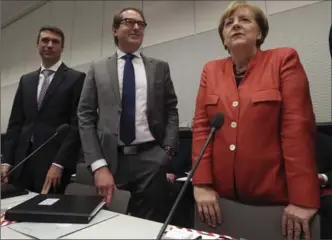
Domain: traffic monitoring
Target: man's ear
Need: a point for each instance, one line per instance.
(114, 31)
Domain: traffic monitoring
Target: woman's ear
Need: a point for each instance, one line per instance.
(259, 37)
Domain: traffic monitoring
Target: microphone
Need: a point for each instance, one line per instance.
(61, 130)
(216, 122)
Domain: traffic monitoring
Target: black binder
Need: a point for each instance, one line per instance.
(48, 208)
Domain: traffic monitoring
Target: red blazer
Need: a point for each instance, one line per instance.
(265, 149)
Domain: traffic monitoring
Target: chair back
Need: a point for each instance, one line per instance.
(251, 222)
(83, 175)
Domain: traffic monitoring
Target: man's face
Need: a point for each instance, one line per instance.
(131, 30)
(49, 45)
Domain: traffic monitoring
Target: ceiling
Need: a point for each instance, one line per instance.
(14, 9)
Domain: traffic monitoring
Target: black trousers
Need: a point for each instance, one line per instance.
(33, 173)
(144, 175)
(326, 217)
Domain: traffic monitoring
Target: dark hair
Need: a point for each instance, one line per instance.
(117, 19)
(55, 30)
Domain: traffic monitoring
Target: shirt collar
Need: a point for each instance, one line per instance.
(54, 68)
(121, 53)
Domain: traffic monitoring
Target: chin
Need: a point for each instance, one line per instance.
(240, 45)
(49, 57)
(136, 43)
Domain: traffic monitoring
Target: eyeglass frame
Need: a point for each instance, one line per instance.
(141, 24)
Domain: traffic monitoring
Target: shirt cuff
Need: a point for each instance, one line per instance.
(326, 179)
(58, 165)
(98, 164)
(6, 164)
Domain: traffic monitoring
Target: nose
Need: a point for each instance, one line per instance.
(49, 44)
(236, 23)
(136, 26)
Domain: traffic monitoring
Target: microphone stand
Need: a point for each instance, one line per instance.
(24, 160)
(184, 187)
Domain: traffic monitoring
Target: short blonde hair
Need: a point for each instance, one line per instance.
(260, 18)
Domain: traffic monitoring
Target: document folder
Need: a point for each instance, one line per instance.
(49, 208)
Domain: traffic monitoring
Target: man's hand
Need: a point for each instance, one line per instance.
(295, 220)
(4, 171)
(53, 178)
(104, 182)
(170, 177)
(208, 205)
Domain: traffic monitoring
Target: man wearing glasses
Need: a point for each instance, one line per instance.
(128, 120)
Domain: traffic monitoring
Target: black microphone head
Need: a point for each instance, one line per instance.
(62, 129)
(217, 121)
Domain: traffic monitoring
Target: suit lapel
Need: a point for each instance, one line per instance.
(149, 71)
(59, 76)
(32, 89)
(112, 79)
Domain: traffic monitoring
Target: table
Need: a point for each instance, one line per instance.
(119, 227)
(11, 202)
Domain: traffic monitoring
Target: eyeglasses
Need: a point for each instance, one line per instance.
(131, 23)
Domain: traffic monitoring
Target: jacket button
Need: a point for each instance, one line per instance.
(233, 124)
(235, 103)
(232, 147)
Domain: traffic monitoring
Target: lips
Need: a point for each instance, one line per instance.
(237, 34)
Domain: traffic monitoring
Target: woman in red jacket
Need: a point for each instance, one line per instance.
(264, 153)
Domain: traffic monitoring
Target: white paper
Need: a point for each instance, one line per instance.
(49, 201)
(178, 234)
(182, 179)
(56, 230)
(185, 234)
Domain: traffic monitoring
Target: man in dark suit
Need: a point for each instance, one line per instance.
(330, 40)
(128, 120)
(45, 99)
(324, 162)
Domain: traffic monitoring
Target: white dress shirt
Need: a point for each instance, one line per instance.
(54, 68)
(143, 133)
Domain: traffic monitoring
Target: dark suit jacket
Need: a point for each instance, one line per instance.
(330, 41)
(59, 106)
(100, 109)
(324, 155)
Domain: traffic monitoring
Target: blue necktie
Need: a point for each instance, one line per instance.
(127, 122)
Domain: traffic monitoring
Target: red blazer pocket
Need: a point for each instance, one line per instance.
(211, 99)
(271, 95)
(211, 104)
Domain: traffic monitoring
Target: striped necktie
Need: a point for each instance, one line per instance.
(46, 83)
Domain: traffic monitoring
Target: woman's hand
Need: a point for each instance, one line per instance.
(296, 220)
(208, 205)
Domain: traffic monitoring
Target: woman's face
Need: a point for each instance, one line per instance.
(241, 30)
